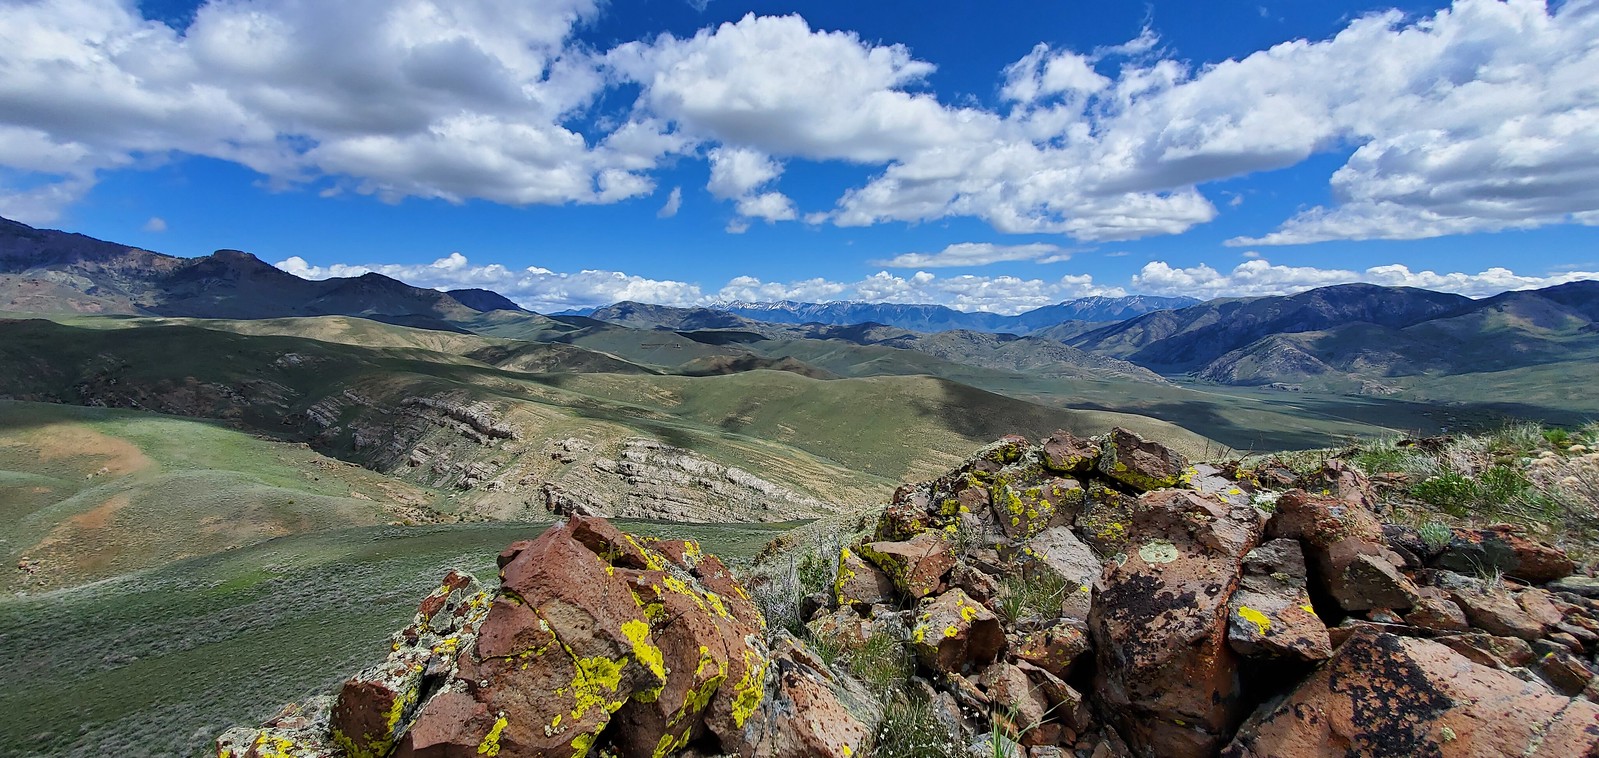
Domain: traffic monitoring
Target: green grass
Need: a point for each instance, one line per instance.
(159, 662)
(95, 492)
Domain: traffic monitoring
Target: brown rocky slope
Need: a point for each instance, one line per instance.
(1079, 597)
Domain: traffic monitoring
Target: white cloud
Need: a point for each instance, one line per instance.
(543, 290)
(1260, 277)
(737, 174)
(450, 100)
(978, 254)
(674, 201)
(532, 287)
(1479, 117)
(155, 224)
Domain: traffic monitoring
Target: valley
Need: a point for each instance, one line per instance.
(223, 483)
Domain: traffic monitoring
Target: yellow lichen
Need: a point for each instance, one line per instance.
(490, 746)
(1260, 620)
(751, 689)
(638, 633)
(581, 745)
(951, 631)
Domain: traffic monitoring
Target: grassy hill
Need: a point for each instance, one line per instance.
(90, 493)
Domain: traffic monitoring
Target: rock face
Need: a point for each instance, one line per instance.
(595, 641)
(1161, 624)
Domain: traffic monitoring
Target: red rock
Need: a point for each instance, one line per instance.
(1384, 695)
(1495, 611)
(953, 633)
(1140, 464)
(1054, 649)
(1346, 544)
(1500, 547)
(1010, 689)
(1435, 611)
(1167, 677)
(860, 584)
(1489, 650)
(1270, 614)
(916, 566)
(1068, 454)
(1564, 671)
(801, 717)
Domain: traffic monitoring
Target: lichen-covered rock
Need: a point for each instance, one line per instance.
(916, 566)
(1346, 543)
(1060, 551)
(859, 584)
(1500, 548)
(954, 633)
(1139, 463)
(1026, 505)
(375, 706)
(1068, 454)
(1385, 695)
(1054, 649)
(1270, 614)
(298, 731)
(1167, 677)
(803, 714)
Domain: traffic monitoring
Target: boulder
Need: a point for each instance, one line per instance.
(1385, 695)
(1270, 614)
(1059, 550)
(916, 566)
(1495, 610)
(1435, 611)
(1167, 679)
(859, 584)
(1140, 464)
(954, 634)
(1067, 454)
(1346, 543)
(1500, 548)
(1054, 649)
(1018, 701)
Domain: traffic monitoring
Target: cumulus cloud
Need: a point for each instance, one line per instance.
(1478, 117)
(449, 100)
(155, 224)
(1259, 276)
(544, 290)
(977, 254)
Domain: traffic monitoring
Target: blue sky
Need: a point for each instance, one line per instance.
(996, 156)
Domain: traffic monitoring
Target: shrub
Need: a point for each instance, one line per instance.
(1451, 492)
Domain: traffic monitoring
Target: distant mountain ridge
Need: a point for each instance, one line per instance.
(939, 318)
(48, 271)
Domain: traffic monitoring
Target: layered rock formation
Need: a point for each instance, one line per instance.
(1095, 598)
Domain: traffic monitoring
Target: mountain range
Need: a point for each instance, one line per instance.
(938, 318)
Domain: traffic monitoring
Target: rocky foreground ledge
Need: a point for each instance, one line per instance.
(1189, 611)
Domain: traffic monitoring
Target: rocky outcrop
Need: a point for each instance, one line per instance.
(594, 643)
(1104, 597)
(1039, 598)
